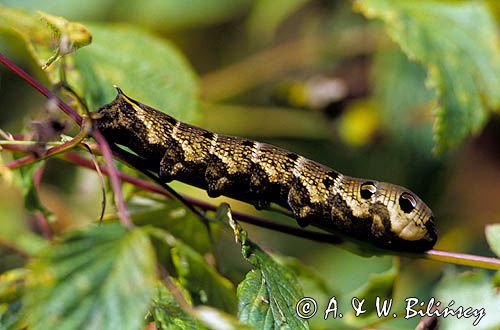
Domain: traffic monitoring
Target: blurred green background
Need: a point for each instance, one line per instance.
(311, 76)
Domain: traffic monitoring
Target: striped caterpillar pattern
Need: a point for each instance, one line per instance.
(379, 213)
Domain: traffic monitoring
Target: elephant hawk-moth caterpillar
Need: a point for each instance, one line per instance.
(380, 213)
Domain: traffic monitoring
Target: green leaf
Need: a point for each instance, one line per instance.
(496, 280)
(23, 238)
(268, 294)
(469, 289)
(215, 319)
(305, 274)
(158, 14)
(71, 35)
(99, 278)
(149, 69)
(46, 37)
(71, 9)
(203, 282)
(378, 286)
(168, 314)
(458, 44)
(405, 102)
(172, 216)
(11, 290)
(174, 14)
(36, 35)
(493, 237)
(14, 230)
(26, 181)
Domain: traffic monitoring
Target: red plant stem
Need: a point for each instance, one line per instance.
(37, 177)
(443, 256)
(436, 255)
(316, 236)
(51, 152)
(20, 162)
(115, 179)
(463, 259)
(43, 224)
(42, 89)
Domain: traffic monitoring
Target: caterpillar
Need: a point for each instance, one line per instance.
(383, 214)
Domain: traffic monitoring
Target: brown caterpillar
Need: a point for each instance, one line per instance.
(380, 213)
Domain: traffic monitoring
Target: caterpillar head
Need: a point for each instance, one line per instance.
(399, 218)
(121, 115)
(135, 125)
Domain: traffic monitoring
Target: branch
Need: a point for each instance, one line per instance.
(60, 148)
(316, 236)
(42, 89)
(435, 255)
(463, 259)
(115, 176)
(115, 179)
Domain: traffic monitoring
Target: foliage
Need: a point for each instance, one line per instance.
(101, 277)
(267, 295)
(493, 237)
(379, 286)
(43, 34)
(167, 313)
(463, 59)
(143, 63)
(176, 269)
(469, 289)
(11, 292)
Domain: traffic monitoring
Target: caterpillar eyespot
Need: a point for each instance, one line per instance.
(367, 190)
(407, 202)
(260, 174)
